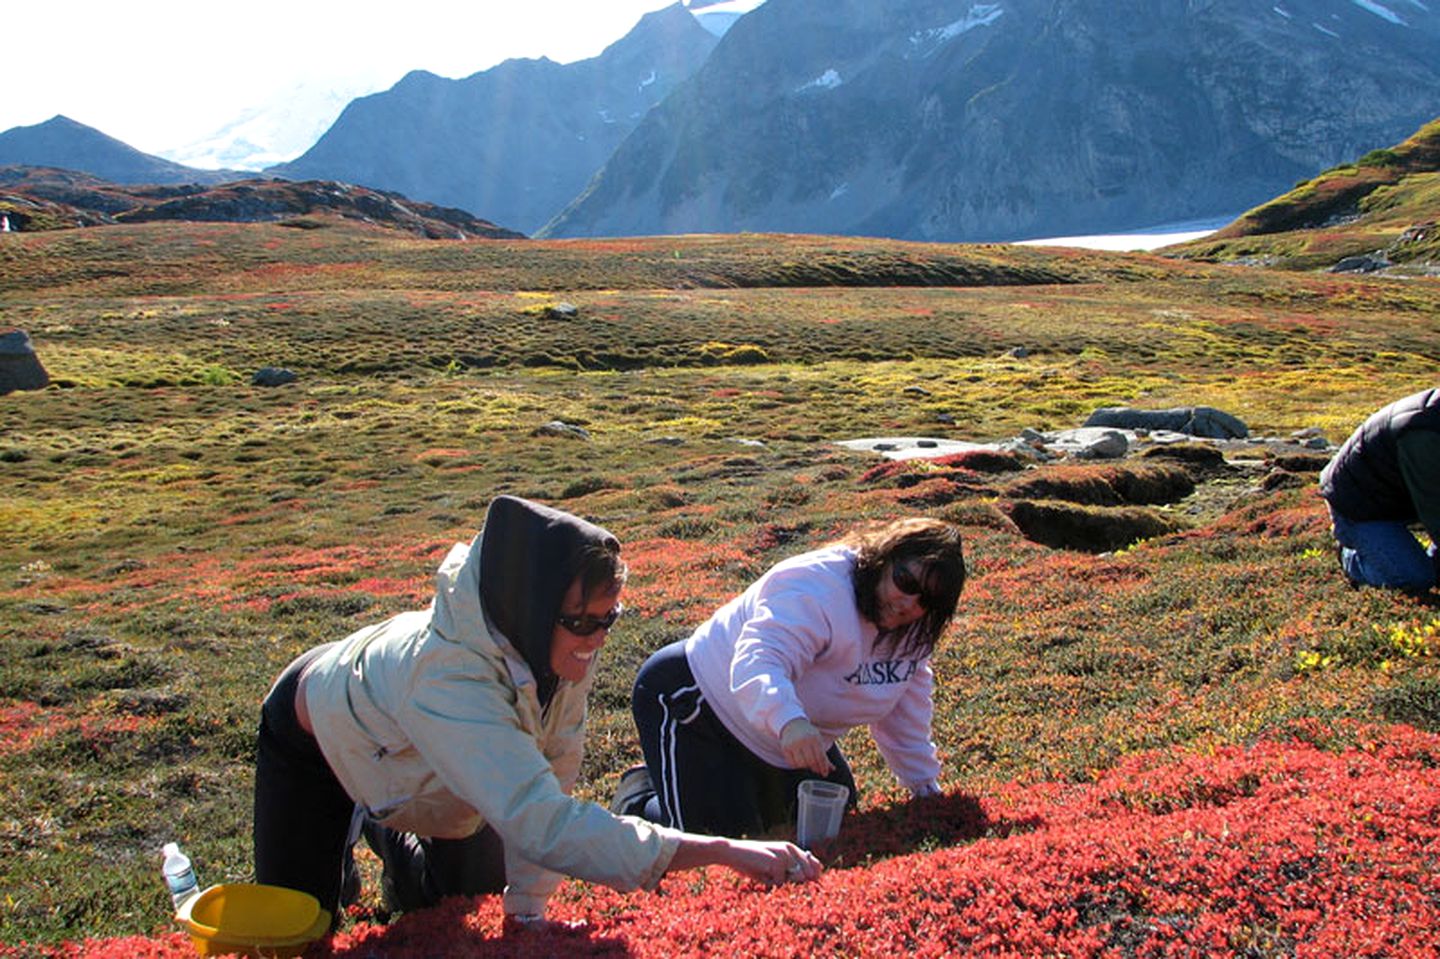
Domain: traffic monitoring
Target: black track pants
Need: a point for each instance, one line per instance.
(706, 780)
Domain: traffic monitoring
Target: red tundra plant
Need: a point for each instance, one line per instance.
(1320, 842)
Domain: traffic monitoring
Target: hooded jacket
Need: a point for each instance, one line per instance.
(432, 720)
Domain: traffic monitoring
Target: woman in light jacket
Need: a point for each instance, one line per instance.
(734, 717)
(453, 737)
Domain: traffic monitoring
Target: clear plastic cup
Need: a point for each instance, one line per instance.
(818, 810)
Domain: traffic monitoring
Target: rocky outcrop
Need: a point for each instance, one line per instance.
(20, 368)
(61, 198)
(1203, 421)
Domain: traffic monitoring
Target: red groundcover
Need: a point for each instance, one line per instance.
(1284, 848)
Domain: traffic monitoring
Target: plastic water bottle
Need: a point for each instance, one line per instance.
(179, 874)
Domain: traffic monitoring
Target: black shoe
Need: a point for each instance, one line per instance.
(349, 880)
(633, 793)
(396, 852)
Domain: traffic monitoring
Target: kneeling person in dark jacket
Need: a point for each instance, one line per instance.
(1385, 478)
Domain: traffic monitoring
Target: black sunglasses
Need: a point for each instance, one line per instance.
(587, 625)
(908, 583)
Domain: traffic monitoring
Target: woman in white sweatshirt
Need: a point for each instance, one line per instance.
(734, 717)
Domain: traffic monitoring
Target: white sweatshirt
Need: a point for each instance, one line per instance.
(794, 645)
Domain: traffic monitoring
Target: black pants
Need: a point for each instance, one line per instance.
(303, 817)
(706, 780)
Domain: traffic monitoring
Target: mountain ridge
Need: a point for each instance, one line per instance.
(516, 141)
(68, 144)
(38, 198)
(999, 121)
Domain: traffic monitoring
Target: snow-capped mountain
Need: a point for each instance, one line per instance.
(272, 132)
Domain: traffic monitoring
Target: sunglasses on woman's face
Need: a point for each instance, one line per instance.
(588, 625)
(908, 583)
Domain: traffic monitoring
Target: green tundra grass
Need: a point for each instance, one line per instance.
(170, 535)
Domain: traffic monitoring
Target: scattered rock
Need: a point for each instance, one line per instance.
(561, 428)
(20, 368)
(1203, 421)
(563, 311)
(1019, 353)
(916, 391)
(272, 376)
(1090, 442)
(1365, 263)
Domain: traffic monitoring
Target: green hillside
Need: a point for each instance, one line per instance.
(1385, 205)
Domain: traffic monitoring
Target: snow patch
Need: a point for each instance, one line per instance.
(839, 191)
(1326, 30)
(980, 15)
(648, 80)
(719, 17)
(828, 80)
(1383, 12)
(1148, 238)
(1284, 13)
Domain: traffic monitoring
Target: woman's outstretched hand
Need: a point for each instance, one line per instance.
(517, 924)
(804, 748)
(773, 863)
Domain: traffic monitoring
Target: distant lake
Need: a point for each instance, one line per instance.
(1149, 238)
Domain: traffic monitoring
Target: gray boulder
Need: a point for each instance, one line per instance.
(1090, 443)
(272, 376)
(1203, 421)
(1365, 263)
(561, 428)
(20, 368)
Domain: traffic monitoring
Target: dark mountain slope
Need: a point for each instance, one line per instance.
(61, 142)
(517, 141)
(951, 120)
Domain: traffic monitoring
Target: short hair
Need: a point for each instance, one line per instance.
(936, 545)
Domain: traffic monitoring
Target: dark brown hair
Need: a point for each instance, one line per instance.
(600, 570)
(936, 546)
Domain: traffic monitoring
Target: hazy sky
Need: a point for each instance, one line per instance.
(158, 74)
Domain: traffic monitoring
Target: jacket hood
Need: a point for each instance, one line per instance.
(518, 570)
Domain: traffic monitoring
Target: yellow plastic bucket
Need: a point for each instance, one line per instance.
(249, 919)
